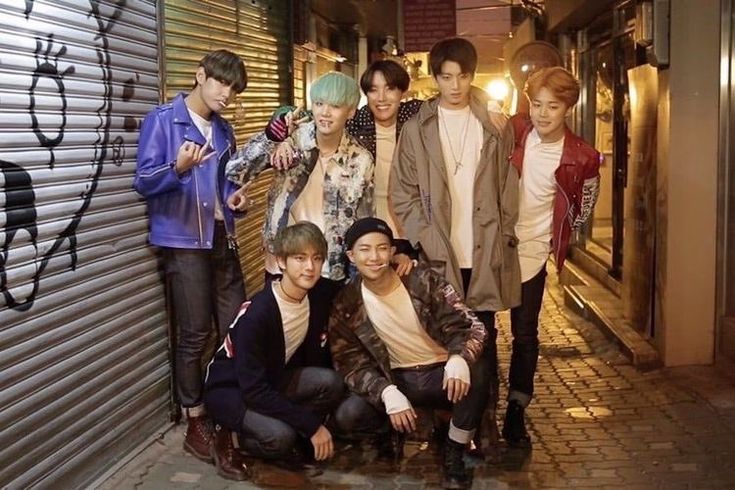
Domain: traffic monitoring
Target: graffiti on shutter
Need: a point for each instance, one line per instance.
(27, 247)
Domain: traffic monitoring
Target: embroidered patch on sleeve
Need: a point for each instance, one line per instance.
(451, 294)
(452, 297)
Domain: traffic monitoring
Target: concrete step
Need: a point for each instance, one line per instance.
(596, 303)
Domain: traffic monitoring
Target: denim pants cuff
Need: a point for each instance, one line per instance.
(195, 411)
(522, 398)
(461, 436)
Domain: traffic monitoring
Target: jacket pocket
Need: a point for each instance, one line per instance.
(509, 245)
(432, 245)
(496, 256)
(483, 216)
(510, 272)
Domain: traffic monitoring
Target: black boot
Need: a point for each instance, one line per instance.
(455, 473)
(514, 428)
(390, 447)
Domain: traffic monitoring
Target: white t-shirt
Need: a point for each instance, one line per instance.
(205, 127)
(295, 317)
(309, 206)
(385, 145)
(397, 325)
(535, 208)
(460, 133)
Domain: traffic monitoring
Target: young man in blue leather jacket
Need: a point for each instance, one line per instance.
(182, 150)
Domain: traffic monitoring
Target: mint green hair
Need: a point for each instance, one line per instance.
(335, 88)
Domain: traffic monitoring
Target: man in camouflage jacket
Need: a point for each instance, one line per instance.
(365, 364)
(406, 341)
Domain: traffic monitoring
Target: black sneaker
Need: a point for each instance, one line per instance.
(514, 428)
(455, 472)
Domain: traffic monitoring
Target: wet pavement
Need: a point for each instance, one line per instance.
(596, 422)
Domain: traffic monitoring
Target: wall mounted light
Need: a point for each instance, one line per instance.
(497, 89)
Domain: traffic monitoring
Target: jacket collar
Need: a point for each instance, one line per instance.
(307, 136)
(219, 131)
(429, 126)
(478, 105)
(363, 327)
(278, 320)
(571, 141)
(405, 112)
(181, 112)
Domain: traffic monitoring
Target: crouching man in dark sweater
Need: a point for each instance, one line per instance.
(271, 380)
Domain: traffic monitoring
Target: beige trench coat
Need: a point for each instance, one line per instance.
(419, 196)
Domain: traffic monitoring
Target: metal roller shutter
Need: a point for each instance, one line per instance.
(300, 60)
(258, 31)
(84, 373)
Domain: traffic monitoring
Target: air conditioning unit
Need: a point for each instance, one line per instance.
(643, 33)
(652, 30)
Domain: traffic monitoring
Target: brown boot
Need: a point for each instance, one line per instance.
(199, 438)
(229, 463)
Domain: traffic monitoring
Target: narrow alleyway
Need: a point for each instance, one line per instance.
(596, 422)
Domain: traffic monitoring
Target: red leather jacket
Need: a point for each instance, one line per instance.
(577, 182)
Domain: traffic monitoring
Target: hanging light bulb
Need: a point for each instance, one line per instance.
(510, 32)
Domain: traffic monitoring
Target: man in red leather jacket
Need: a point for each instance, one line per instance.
(559, 186)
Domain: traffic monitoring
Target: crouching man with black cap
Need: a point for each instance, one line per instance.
(405, 342)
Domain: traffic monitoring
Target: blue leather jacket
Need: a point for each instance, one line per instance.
(181, 207)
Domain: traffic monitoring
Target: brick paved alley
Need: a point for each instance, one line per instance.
(596, 422)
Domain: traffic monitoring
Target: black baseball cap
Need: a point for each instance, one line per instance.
(363, 227)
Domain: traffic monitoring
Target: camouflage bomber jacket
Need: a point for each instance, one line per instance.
(361, 357)
(348, 186)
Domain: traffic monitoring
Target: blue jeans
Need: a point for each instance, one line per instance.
(205, 287)
(318, 389)
(524, 326)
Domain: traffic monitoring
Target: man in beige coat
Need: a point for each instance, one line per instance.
(454, 192)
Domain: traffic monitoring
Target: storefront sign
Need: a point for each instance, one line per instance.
(427, 21)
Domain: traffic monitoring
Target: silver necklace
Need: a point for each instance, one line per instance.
(457, 161)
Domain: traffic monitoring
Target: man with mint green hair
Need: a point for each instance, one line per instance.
(331, 181)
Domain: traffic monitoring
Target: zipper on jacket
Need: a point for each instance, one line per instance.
(558, 239)
(199, 211)
(231, 239)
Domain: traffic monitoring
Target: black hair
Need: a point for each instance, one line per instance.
(395, 75)
(456, 49)
(226, 67)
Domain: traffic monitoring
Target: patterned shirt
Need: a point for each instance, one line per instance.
(348, 186)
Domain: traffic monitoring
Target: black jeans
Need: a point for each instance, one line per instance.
(491, 347)
(205, 285)
(524, 326)
(423, 388)
(318, 389)
(355, 418)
